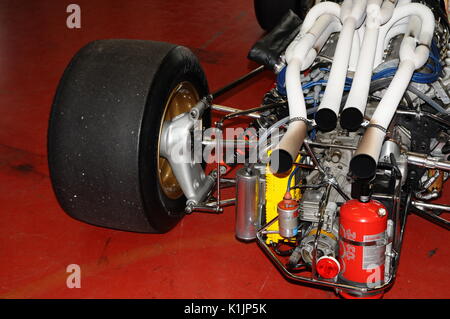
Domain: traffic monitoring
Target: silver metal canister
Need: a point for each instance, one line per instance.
(247, 196)
(261, 169)
(288, 217)
(389, 147)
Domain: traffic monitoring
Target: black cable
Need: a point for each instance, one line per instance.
(409, 102)
(280, 252)
(394, 165)
(297, 268)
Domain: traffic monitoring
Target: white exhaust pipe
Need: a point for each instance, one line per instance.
(414, 52)
(391, 29)
(353, 112)
(300, 54)
(352, 16)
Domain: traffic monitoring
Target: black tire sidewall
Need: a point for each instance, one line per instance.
(179, 65)
(104, 130)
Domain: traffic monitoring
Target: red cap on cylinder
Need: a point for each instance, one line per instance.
(328, 267)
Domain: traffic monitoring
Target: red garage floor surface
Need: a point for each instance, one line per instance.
(200, 258)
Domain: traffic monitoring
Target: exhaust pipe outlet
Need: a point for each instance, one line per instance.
(351, 119)
(354, 108)
(283, 156)
(326, 119)
(352, 16)
(414, 52)
(363, 165)
(319, 23)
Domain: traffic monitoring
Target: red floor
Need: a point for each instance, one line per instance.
(200, 258)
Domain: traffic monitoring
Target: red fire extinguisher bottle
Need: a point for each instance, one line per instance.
(362, 246)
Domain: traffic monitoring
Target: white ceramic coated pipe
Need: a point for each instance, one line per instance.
(300, 57)
(333, 27)
(399, 23)
(352, 15)
(300, 54)
(354, 53)
(353, 112)
(312, 23)
(317, 11)
(387, 9)
(412, 57)
(364, 162)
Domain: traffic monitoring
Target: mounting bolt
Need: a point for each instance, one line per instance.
(189, 207)
(194, 113)
(223, 169)
(382, 212)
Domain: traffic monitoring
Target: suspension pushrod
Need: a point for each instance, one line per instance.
(227, 109)
(237, 82)
(249, 111)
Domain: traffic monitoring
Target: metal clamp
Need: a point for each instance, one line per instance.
(381, 128)
(299, 118)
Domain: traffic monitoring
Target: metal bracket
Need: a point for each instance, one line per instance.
(175, 146)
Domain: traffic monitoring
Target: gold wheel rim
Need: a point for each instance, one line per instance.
(182, 98)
